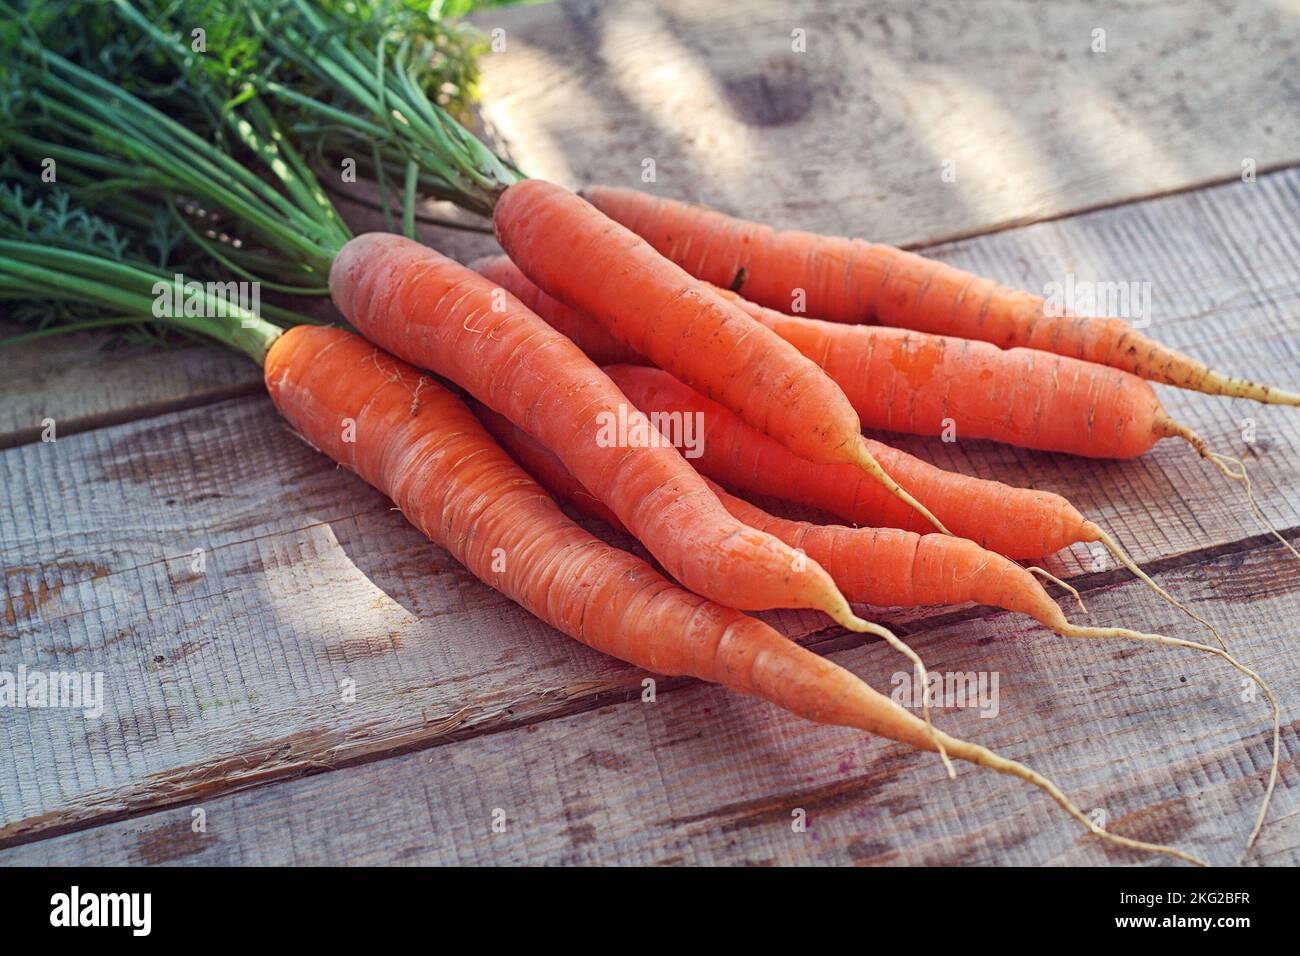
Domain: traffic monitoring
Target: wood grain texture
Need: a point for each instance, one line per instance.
(852, 135)
(1163, 742)
(230, 677)
(81, 382)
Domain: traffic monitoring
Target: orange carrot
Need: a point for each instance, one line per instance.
(890, 567)
(849, 280)
(414, 441)
(431, 311)
(587, 261)
(601, 345)
(922, 384)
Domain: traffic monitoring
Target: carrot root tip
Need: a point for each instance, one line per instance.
(1123, 633)
(1235, 470)
(1123, 558)
(861, 626)
(867, 462)
(1047, 575)
(1219, 384)
(987, 758)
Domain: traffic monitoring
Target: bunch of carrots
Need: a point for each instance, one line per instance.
(609, 305)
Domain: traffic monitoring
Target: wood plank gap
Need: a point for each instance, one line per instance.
(124, 416)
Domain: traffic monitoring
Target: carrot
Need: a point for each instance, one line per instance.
(587, 261)
(427, 309)
(1026, 523)
(601, 345)
(885, 566)
(917, 383)
(849, 280)
(913, 382)
(415, 442)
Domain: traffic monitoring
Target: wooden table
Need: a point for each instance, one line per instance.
(323, 686)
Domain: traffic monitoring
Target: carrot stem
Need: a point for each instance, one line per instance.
(131, 290)
(409, 197)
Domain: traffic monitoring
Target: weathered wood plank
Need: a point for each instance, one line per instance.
(80, 382)
(854, 134)
(231, 676)
(1161, 741)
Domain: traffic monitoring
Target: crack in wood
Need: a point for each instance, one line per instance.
(124, 416)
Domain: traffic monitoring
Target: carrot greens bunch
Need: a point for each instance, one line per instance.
(366, 82)
(234, 173)
(66, 269)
